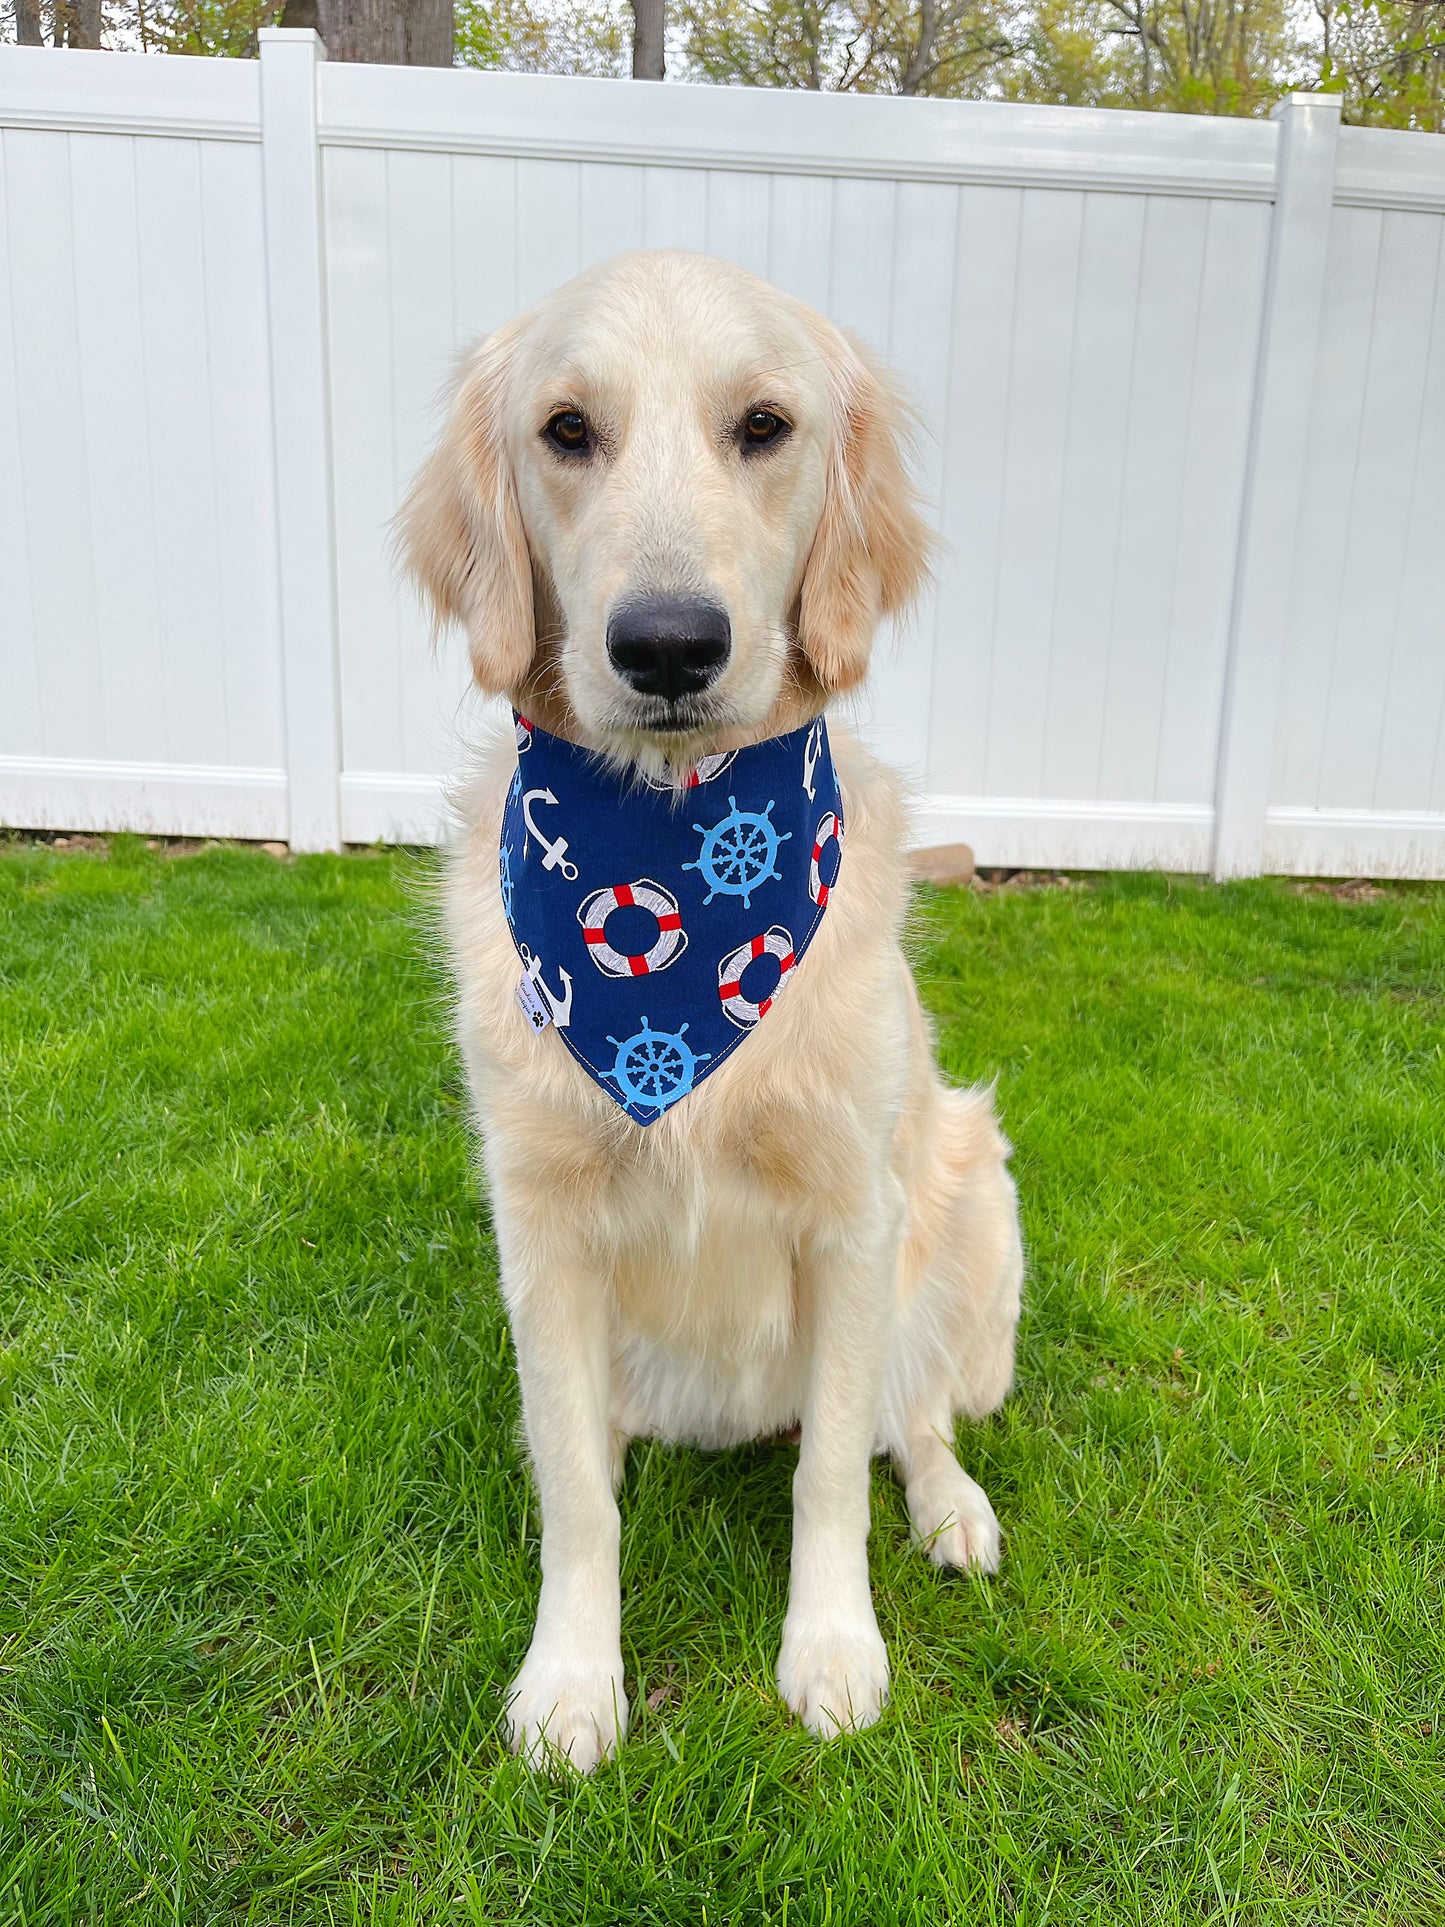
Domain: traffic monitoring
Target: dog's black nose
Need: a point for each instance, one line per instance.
(669, 645)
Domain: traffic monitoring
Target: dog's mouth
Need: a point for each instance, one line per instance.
(665, 748)
(676, 716)
(675, 729)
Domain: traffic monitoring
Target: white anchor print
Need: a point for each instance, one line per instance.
(555, 852)
(812, 750)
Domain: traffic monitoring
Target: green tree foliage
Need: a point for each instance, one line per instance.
(863, 46)
(1183, 56)
(204, 26)
(544, 36)
(153, 26)
(1385, 57)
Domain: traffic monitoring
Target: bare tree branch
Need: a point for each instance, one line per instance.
(922, 54)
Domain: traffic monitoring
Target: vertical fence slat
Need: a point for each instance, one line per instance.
(1215, 438)
(1309, 127)
(296, 304)
(21, 716)
(51, 445)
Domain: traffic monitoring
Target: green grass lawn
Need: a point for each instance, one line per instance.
(268, 1553)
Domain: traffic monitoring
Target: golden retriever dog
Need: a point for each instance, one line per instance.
(823, 1235)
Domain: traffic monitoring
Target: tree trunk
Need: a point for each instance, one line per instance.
(649, 19)
(922, 55)
(27, 23)
(430, 33)
(398, 33)
(77, 24)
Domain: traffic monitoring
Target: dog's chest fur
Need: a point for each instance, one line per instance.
(706, 1325)
(699, 1224)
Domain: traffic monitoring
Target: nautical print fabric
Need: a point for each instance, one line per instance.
(657, 925)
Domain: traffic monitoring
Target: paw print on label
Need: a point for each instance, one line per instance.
(738, 854)
(655, 1067)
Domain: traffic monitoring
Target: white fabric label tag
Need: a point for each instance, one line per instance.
(535, 1007)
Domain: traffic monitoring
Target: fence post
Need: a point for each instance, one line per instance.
(301, 430)
(1309, 127)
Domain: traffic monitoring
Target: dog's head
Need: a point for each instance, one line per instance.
(669, 507)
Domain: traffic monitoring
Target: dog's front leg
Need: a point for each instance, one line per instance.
(568, 1700)
(833, 1669)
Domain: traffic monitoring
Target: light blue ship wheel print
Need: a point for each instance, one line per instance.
(504, 864)
(655, 1067)
(739, 853)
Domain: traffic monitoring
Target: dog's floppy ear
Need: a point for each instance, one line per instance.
(871, 552)
(460, 529)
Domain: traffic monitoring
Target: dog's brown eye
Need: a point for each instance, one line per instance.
(761, 427)
(567, 430)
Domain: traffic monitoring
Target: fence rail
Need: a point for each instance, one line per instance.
(1184, 396)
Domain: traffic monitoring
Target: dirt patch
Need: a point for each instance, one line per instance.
(197, 846)
(67, 841)
(987, 882)
(76, 841)
(1351, 890)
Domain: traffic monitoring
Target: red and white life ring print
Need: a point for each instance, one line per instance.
(830, 830)
(666, 947)
(524, 733)
(776, 942)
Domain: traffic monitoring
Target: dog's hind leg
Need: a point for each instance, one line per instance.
(953, 1347)
(950, 1514)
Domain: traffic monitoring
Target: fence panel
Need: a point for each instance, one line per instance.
(1182, 392)
(1358, 778)
(138, 642)
(1083, 358)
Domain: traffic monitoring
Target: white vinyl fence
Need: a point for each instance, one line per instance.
(1183, 383)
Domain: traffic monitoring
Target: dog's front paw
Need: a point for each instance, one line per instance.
(563, 1711)
(833, 1673)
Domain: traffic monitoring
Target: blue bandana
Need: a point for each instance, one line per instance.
(657, 923)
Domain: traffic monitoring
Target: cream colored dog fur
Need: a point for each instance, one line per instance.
(837, 1250)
